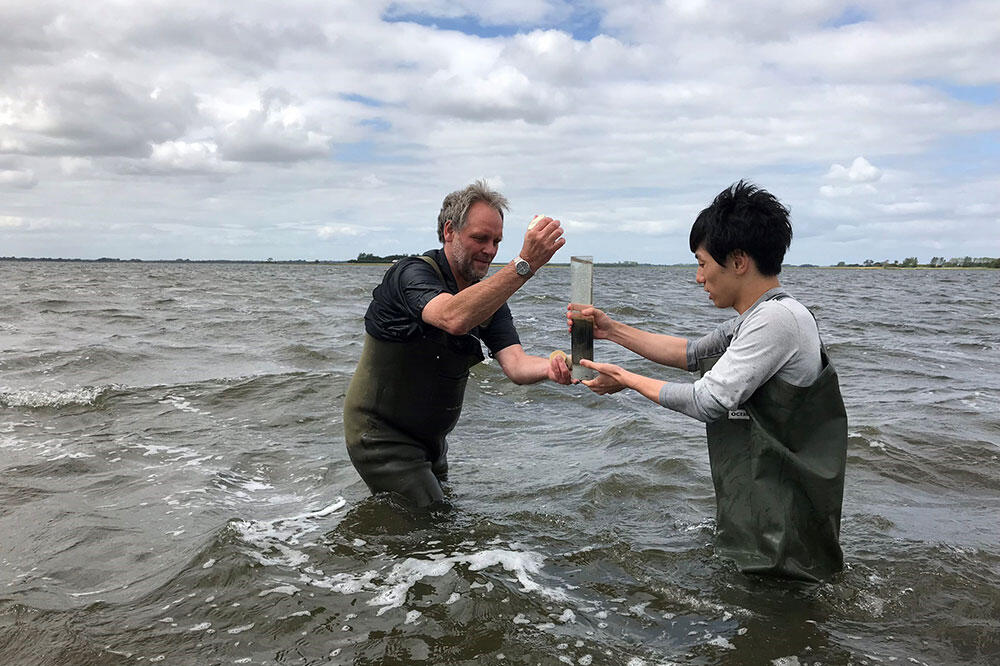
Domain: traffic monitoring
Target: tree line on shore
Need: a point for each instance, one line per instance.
(935, 262)
(909, 262)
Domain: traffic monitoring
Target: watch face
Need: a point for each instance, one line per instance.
(522, 267)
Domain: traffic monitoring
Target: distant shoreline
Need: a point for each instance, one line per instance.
(353, 262)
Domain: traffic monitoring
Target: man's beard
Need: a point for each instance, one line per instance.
(466, 268)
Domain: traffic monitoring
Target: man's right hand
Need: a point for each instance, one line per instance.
(541, 242)
(602, 322)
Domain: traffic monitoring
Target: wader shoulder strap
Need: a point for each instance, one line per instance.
(433, 264)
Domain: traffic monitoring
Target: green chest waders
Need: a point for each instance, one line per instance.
(778, 469)
(403, 400)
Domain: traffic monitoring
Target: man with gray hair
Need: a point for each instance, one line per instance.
(423, 332)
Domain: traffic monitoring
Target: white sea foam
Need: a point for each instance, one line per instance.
(707, 524)
(390, 590)
(83, 395)
(93, 592)
(274, 541)
(639, 609)
(520, 563)
(162, 450)
(76, 455)
(786, 661)
(719, 641)
(568, 616)
(343, 583)
(182, 404)
(402, 577)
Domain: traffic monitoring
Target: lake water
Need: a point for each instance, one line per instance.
(175, 489)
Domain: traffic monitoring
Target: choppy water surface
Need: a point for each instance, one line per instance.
(175, 488)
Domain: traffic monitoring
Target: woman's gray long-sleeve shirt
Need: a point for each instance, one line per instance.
(775, 337)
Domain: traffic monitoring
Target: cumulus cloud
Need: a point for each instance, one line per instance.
(276, 131)
(238, 37)
(860, 171)
(75, 165)
(21, 178)
(854, 180)
(908, 208)
(100, 115)
(188, 157)
(327, 232)
(619, 117)
(649, 227)
(834, 191)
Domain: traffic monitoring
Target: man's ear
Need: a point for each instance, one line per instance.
(741, 261)
(448, 230)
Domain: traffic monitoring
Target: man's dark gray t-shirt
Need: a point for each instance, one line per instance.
(395, 313)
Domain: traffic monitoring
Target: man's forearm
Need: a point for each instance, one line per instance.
(522, 368)
(529, 370)
(460, 313)
(662, 349)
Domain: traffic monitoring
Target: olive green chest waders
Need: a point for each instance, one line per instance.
(778, 469)
(403, 400)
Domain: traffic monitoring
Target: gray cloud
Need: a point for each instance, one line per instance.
(245, 42)
(22, 178)
(99, 116)
(351, 128)
(273, 133)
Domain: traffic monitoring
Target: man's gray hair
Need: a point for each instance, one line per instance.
(457, 204)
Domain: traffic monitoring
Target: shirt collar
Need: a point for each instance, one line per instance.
(773, 292)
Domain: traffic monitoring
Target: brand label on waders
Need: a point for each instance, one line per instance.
(738, 415)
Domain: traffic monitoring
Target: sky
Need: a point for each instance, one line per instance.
(320, 130)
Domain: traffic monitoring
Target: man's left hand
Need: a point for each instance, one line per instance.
(559, 370)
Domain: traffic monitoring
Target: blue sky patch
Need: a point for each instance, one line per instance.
(985, 95)
(370, 151)
(362, 99)
(467, 25)
(377, 124)
(357, 151)
(582, 23)
(971, 155)
(849, 16)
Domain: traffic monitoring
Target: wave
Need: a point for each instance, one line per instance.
(83, 396)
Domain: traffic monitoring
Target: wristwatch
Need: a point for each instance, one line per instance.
(522, 267)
